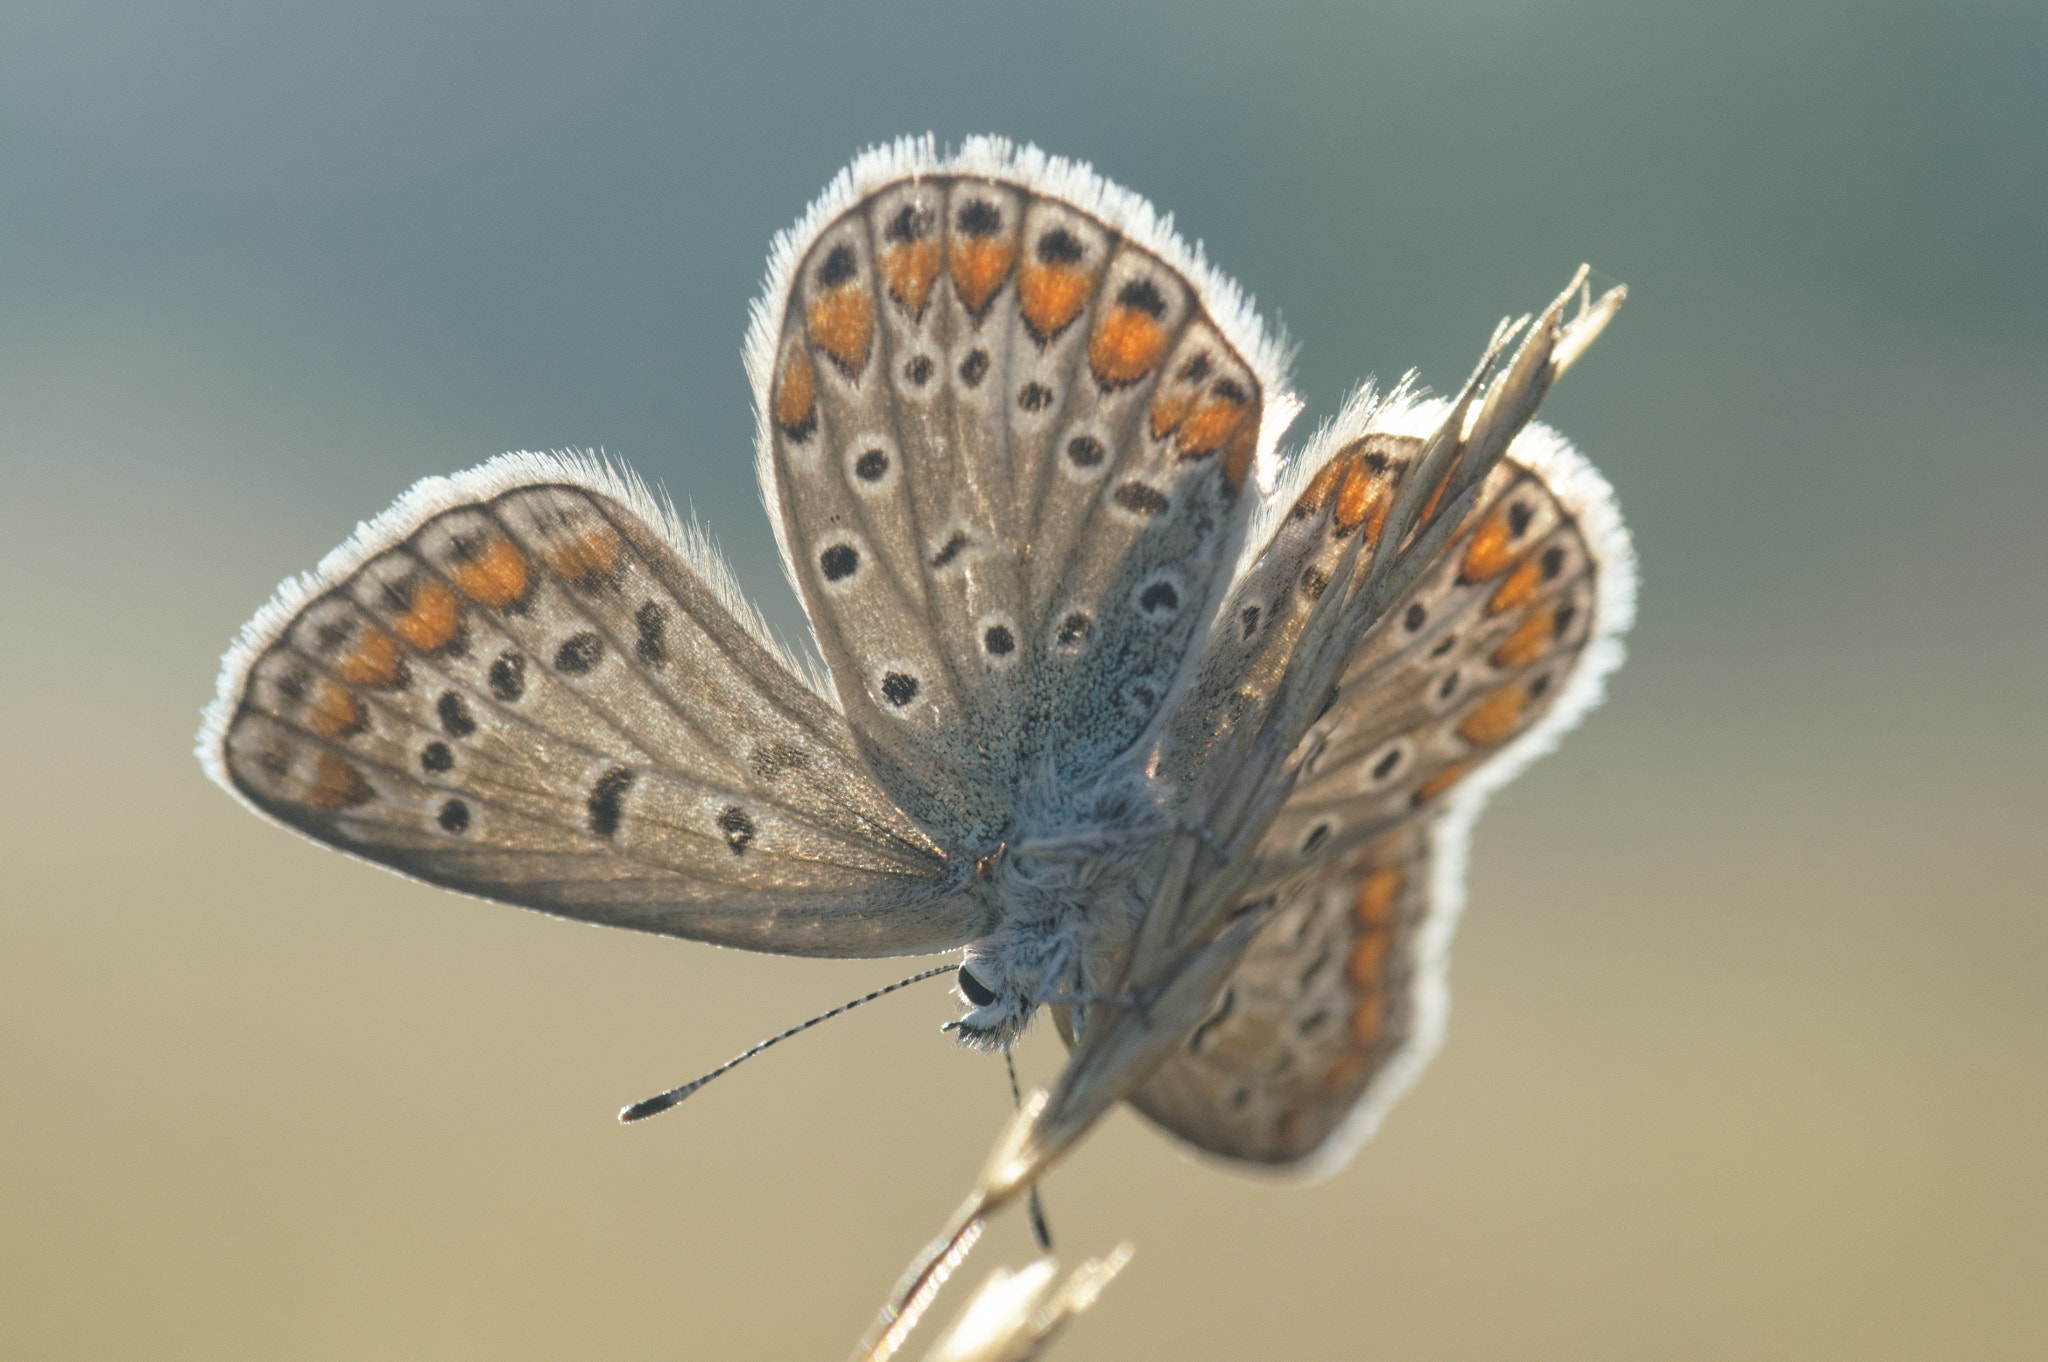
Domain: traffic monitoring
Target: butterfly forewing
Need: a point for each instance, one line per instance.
(1008, 446)
(527, 692)
(1492, 650)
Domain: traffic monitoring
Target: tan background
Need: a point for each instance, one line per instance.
(1750, 1050)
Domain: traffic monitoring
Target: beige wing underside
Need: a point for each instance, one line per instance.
(1484, 660)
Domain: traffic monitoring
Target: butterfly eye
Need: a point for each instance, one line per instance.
(978, 993)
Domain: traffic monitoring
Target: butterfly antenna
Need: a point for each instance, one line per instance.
(1039, 1230)
(661, 1102)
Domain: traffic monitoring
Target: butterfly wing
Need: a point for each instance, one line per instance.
(1485, 660)
(527, 683)
(1008, 421)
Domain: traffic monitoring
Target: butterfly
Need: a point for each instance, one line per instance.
(1089, 642)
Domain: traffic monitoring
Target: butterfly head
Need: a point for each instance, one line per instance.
(996, 1016)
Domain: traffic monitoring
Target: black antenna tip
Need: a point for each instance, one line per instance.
(646, 1107)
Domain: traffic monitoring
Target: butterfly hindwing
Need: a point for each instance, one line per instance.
(1325, 1007)
(516, 685)
(1492, 651)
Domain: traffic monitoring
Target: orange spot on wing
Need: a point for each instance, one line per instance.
(1368, 957)
(1488, 554)
(335, 712)
(1051, 296)
(1210, 424)
(494, 578)
(1441, 781)
(1368, 1016)
(374, 661)
(979, 267)
(1168, 411)
(432, 618)
(1362, 500)
(1344, 1070)
(1494, 717)
(1237, 460)
(1376, 894)
(1126, 345)
(1327, 479)
(796, 398)
(593, 553)
(909, 271)
(1528, 641)
(1518, 589)
(842, 321)
(1429, 508)
(337, 784)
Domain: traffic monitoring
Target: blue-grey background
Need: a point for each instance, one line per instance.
(1749, 1055)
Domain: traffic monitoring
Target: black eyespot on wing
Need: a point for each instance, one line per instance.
(1317, 835)
(738, 827)
(1444, 645)
(979, 217)
(1085, 451)
(1144, 296)
(950, 550)
(899, 688)
(908, 223)
(838, 267)
(579, 653)
(1160, 598)
(999, 641)
(651, 620)
(1074, 629)
(1563, 621)
(974, 368)
(1034, 397)
(1538, 686)
(839, 562)
(1552, 562)
(437, 758)
(919, 370)
(1196, 369)
(1142, 499)
(608, 800)
(1448, 688)
(1415, 617)
(1249, 618)
(456, 720)
(1384, 767)
(1059, 247)
(454, 816)
(1518, 519)
(871, 465)
(1229, 390)
(508, 677)
(975, 991)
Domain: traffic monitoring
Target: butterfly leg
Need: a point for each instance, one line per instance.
(1041, 1234)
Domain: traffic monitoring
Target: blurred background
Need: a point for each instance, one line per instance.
(1749, 1053)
